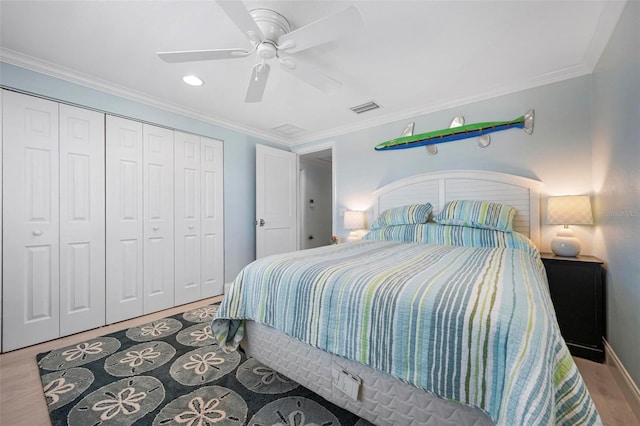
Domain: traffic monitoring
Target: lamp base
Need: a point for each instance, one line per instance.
(565, 244)
(356, 235)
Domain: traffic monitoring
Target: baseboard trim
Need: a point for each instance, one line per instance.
(624, 380)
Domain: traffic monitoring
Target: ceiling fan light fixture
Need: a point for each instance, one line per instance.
(272, 24)
(270, 34)
(192, 80)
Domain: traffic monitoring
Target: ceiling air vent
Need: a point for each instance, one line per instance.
(359, 109)
(289, 129)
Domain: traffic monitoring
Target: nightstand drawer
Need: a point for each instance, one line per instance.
(577, 291)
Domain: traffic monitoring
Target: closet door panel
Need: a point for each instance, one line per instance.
(187, 218)
(158, 218)
(82, 221)
(212, 246)
(31, 220)
(124, 219)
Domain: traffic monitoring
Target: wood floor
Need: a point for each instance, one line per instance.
(22, 401)
(606, 394)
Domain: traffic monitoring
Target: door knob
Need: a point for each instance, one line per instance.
(260, 222)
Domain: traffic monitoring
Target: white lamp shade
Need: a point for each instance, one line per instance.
(353, 220)
(569, 210)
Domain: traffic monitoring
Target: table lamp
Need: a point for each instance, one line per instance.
(353, 221)
(568, 210)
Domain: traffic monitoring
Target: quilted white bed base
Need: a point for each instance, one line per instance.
(383, 399)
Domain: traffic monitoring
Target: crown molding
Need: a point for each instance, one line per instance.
(578, 70)
(54, 70)
(612, 11)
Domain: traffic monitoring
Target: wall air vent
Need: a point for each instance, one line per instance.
(288, 129)
(359, 109)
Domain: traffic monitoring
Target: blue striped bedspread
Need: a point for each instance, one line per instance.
(451, 235)
(470, 324)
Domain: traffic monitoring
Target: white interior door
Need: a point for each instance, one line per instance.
(82, 222)
(158, 218)
(124, 219)
(276, 201)
(212, 213)
(187, 218)
(31, 220)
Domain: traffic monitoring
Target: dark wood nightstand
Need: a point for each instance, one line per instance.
(577, 291)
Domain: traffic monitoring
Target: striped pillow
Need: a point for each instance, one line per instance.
(477, 214)
(405, 215)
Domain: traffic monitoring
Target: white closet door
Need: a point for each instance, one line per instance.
(212, 218)
(158, 219)
(124, 219)
(82, 223)
(187, 218)
(31, 221)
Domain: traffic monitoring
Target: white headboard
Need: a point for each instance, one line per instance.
(438, 188)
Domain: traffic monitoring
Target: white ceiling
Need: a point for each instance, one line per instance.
(412, 57)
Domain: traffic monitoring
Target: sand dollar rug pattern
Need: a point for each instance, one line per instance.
(170, 372)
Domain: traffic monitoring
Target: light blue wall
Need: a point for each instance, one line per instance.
(558, 152)
(616, 178)
(586, 141)
(239, 151)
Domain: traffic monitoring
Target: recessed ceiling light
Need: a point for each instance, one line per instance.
(192, 80)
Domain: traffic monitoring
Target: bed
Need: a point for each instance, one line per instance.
(419, 323)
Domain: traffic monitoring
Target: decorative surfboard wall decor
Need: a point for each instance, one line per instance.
(457, 130)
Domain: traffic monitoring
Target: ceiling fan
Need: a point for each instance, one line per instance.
(272, 38)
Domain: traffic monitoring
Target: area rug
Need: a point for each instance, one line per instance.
(171, 372)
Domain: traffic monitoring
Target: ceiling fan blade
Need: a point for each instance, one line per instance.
(202, 55)
(330, 28)
(240, 16)
(258, 82)
(310, 74)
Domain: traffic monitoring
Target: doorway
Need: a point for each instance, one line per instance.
(315, 199)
